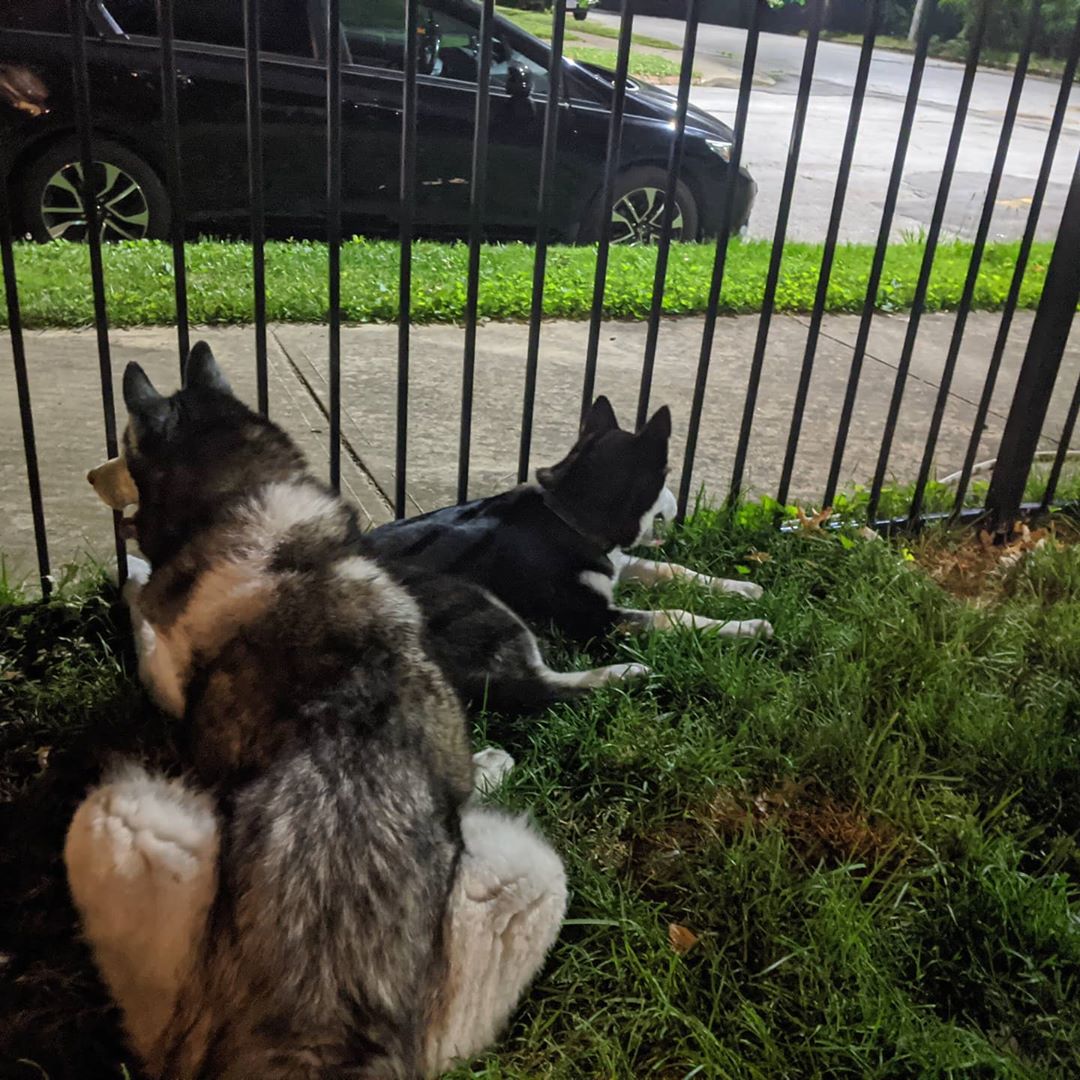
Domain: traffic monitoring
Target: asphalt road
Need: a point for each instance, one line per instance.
(780, 59)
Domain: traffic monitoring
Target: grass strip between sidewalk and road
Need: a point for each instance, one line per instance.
(538, 23)
(955, 49)
(55, 289)
(581, 43)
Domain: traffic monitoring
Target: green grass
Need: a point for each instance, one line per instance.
(956, 49)
(644, 65)
(869, 823)
(538, 23)
(55, 290)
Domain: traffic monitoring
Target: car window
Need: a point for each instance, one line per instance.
(449, 47)
(283, 23)
(41, 15)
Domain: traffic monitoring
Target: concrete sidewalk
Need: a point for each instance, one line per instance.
(68, 413)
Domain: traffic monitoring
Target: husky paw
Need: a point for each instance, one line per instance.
(625, 672)
(490, 768)
(746, 589)
(760, 628)
(135, 837)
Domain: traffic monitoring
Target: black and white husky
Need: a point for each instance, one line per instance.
(554, 551)
(323, 897)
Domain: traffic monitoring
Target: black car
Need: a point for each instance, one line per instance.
(39, 148)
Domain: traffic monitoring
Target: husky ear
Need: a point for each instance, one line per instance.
(143, 402)
(599, 418)
(201, 370)
(658, 429)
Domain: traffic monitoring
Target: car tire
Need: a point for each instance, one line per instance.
(637, 212)
(133, 199)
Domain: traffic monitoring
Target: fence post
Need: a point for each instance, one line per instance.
(1038, 373)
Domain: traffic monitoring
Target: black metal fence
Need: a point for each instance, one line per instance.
(1043, 353)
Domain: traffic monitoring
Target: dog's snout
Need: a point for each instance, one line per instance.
(91, 477)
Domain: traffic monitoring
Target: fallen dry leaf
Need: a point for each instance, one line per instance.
(682, 940)
(43, 757)
(758, 556)
(974, 566)
(813, 522)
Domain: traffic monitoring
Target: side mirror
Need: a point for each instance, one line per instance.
(518, 79)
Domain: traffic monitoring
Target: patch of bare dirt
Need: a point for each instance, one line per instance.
(974, 566)
(819, 828)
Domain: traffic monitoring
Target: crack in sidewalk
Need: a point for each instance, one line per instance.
(346, 443)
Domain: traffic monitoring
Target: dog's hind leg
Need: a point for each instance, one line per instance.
(506, 907)
(141, 856)
(572, 683)
(540, 686)
(650, 572)
(629, 619)
(513, 675)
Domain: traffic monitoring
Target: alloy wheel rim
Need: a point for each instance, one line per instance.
(638, 217)
(122, 210)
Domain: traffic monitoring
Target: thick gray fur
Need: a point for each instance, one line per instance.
(322, 897)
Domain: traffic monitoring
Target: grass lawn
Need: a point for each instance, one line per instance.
(576, 47)
(850, 851)
(54, 280)
(538, 23)
(644, 65)
(956, 49)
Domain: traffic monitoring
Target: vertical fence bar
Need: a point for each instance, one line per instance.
(22, 389)
(477, 194)
(746, 81)
(1013, 296)
(333, 227)
(847, 155)
(877, 263)
(547, 169)
(918, 301)
(253, 85)
(1038, 373)
(171, 129)
(1063, 449)
(671, 189)
(611, 170)
(81, 77)
(981, 233)
(776, 256)
(406, 212)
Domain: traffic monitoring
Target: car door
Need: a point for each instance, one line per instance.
(446, 105)
(212, 94)
(212, 102)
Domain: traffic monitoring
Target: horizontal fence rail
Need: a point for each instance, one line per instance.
(553, 110)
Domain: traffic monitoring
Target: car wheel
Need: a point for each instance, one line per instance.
(637, 211)
(132, 203)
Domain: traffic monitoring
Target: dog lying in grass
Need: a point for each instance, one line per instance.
(554, 551)
(545, 553)
(322, 897)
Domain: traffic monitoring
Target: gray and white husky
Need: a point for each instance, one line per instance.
(323, 897)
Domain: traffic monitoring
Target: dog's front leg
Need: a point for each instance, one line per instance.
(631, 620)
(157, 671)
(649, 572)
